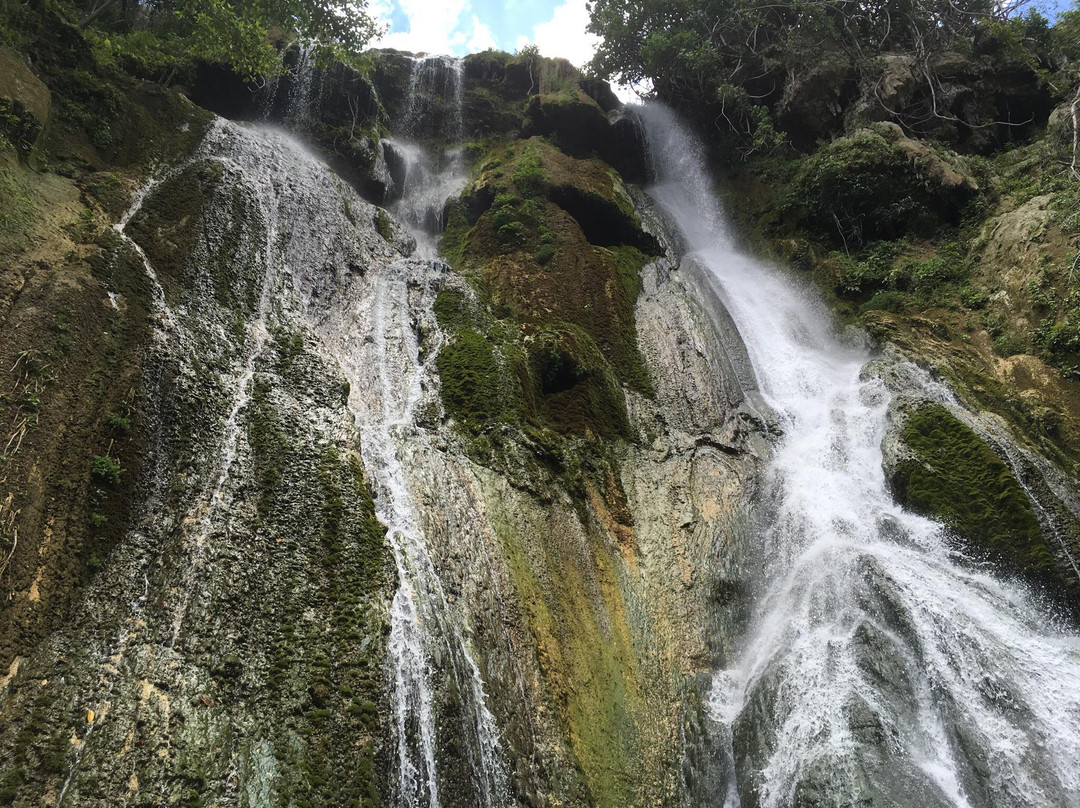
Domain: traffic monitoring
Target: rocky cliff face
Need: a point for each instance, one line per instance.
(296, 512)
(305, 564)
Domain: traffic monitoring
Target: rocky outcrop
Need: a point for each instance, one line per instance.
(879, 184)
(25, 102)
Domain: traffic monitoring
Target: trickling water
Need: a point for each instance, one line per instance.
(879, 666)
(369, 325)
(391, 365)
(390, 368)
(298, 114)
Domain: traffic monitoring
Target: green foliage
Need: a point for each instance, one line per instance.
(105, 470)
(545, 253)
(957, 478)
(118, 423)
(528, 174)
(864, 188)
(730, 63)
(152, 55)
(246, 34)
(516, 221)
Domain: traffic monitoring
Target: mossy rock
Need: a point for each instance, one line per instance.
(952, 475)
(878, 185)
(25, 102)
(555, 240)
(577, 391)
(470, 375)
(572, 118)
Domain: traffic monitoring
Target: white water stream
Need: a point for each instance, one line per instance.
(878, 666)
(430, 180)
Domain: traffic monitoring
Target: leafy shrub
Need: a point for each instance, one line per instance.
(545, 253)
(528, 173)
(118, 423)
(887, 300)
(105, 470)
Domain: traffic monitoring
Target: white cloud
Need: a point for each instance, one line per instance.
(434, 26)
(481, 37)
(564, 34)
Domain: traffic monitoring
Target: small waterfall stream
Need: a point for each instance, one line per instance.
(436, 87)
(880, 668)
(421, 623)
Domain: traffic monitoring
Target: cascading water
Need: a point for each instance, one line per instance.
(422, 630)
(421, 627)
(880, 668)
(380, 355)
(434, 101)
(298, 113)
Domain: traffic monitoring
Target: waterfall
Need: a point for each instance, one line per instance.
(433, 105)
(421, 624)
(880, 667)
(298, 113)
(370, 328)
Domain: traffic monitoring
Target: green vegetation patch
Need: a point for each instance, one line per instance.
(956, 478)
(577, 391)
(868, 187)
(554, 242)
(471, 387)
(16, 214)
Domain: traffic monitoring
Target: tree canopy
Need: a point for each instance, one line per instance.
(737, 63)
(243, 32)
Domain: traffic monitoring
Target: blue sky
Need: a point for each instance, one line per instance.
(458, 27)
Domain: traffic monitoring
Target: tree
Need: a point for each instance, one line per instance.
(732, 62)
(239, 31)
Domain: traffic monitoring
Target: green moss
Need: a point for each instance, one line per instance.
(627, 360)
(471, 387)
(383, 225)
(865, 187)
(575, 387)
(169, 224)
(957, 478)
(269, 446)
(16, 214)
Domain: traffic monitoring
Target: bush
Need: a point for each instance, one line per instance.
(117, 423)
(545, 253)
(887, 301)
(105, 470)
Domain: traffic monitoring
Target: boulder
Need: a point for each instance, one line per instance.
(600, 92)
(813, 104)
(581, 128)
